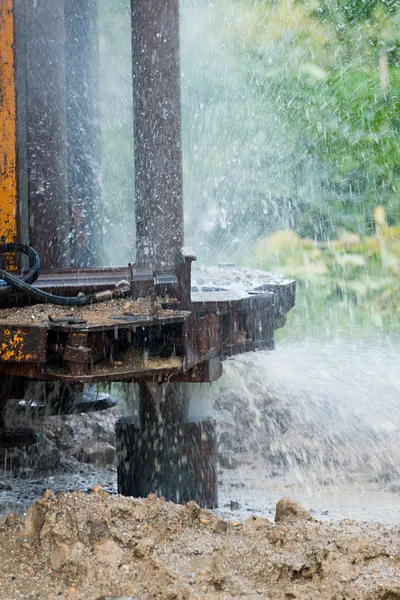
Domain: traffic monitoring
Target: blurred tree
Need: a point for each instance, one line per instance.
(238, 177)
(331, 69)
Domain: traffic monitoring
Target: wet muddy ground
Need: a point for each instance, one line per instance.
(243, 491)
(87, 546)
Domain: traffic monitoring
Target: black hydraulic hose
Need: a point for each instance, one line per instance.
(24, 285)
(34, 262)
(42, 296)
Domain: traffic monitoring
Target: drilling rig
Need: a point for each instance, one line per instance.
(142, 322)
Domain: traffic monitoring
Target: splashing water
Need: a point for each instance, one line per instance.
(317, 419)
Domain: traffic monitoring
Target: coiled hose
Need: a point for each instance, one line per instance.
(24, 284)
(34, 263)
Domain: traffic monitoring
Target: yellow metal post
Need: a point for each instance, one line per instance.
(8, 126)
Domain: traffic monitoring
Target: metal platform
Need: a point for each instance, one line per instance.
(124, 346)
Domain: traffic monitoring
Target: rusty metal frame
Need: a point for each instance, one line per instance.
(183, 344)
(197, 330)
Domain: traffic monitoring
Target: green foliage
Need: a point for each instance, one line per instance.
(291, 120)
(352, 280)
(331, 71)
(237, 159)
(354, 11)
(344, 123)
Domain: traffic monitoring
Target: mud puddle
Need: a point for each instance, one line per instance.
(244, 492)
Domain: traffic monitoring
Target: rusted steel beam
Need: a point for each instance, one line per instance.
(8, 127)
(184, 276)
(157, 132)
(204, 372)
(284, 299)
(46, 131)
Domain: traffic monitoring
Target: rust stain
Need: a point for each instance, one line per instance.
(12, 347)
(22, 344)
(8, 158)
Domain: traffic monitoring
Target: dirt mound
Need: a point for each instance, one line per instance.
(81, 546)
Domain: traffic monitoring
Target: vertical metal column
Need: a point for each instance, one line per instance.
(164, 453)
(46, 131)
(8, 127)
(83, 130)
(157, 132)
(22, 168)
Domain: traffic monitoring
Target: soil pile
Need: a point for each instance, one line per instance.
(81, 546)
